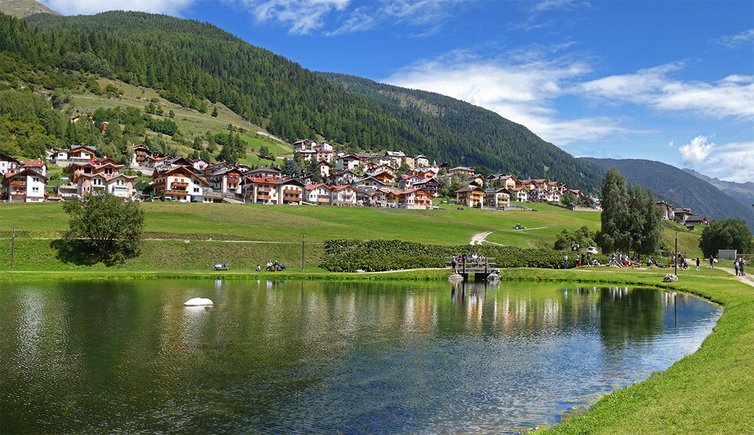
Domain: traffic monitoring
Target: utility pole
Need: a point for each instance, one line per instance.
(13, 249)
(675, 258)
(303, 242)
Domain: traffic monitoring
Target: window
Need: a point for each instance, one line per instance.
(35, 189)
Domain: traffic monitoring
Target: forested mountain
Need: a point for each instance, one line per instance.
(188, 61)
(679, 188)
(472, 135)
(741, 192)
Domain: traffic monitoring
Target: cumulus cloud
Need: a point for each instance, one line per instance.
(519, 91)
(728, 97)
(697, 151)
(87, 7)
(732, 161)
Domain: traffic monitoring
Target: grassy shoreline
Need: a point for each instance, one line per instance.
(711, 390)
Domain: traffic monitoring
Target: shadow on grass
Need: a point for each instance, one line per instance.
(82, 253)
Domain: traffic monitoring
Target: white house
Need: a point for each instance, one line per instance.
(180, 184)
(343, 195)
(25, 185)
(319, 194)
(8, 164)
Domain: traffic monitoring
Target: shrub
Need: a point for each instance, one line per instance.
(378, 255)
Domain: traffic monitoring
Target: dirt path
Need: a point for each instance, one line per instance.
(479, 238)
(746, 279)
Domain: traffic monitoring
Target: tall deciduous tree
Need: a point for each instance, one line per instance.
(105, 227)
(726, 234)
(613, 236)
(630, 220)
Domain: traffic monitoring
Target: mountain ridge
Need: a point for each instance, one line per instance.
(24, 8)
(741, 192)
(679, 188)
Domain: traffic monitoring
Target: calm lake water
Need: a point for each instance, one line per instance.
(326, 357)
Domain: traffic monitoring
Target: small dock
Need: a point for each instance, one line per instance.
(479, 269)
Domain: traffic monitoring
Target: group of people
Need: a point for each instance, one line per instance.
(463, 259)
(272, 266)
(738, 265)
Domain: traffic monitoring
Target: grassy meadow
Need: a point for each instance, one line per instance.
(190, 122)
(188, 236)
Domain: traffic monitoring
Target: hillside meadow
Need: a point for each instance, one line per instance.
(192, 237)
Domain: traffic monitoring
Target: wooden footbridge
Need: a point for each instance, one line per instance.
(474, 269)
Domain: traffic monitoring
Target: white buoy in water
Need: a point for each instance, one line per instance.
(198, 302)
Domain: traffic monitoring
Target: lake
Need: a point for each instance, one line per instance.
(275, 356)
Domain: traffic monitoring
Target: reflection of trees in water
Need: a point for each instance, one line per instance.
(630, 315)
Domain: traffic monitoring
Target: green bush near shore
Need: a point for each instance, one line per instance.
(380, 255)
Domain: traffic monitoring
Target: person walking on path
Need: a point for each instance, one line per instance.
(741, 263)
(711, 261)
(735, 266)
(697, 264)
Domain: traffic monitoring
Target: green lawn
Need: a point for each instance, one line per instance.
(289, 223)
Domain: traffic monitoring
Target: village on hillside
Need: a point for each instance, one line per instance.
(323, 176)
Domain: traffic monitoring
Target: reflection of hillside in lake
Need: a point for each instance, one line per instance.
(327, 356)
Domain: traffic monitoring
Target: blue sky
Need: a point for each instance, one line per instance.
(663, 80)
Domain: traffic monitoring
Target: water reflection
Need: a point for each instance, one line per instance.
(327, 356)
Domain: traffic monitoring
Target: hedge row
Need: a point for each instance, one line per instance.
(378, 255)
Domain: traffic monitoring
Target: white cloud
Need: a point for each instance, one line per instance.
(697, 151)
(742, 39)
(519, 91)
(421, 13)
(301, 16)
(732, 161)
(87, 7)
(729, 97)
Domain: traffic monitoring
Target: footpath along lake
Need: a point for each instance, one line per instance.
(126, 356)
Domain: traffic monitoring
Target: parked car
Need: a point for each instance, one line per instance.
(591, 250)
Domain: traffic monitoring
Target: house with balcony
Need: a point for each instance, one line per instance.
(344, 196)
(139, 155)
(8, 164)
(497, 197)
(318, 194)
(77, 154)
(180, 184)
(519, 194)
(421, 161)
(264, 172)
(118, 184)
(24, 185)
(262, 190)
(291, 192)
(462, 171)
(226, 180)
(500, 180)
(470, 196)
(431, 185)
(348, 162)
(385, 197)
(415, 198)
(395, 158)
